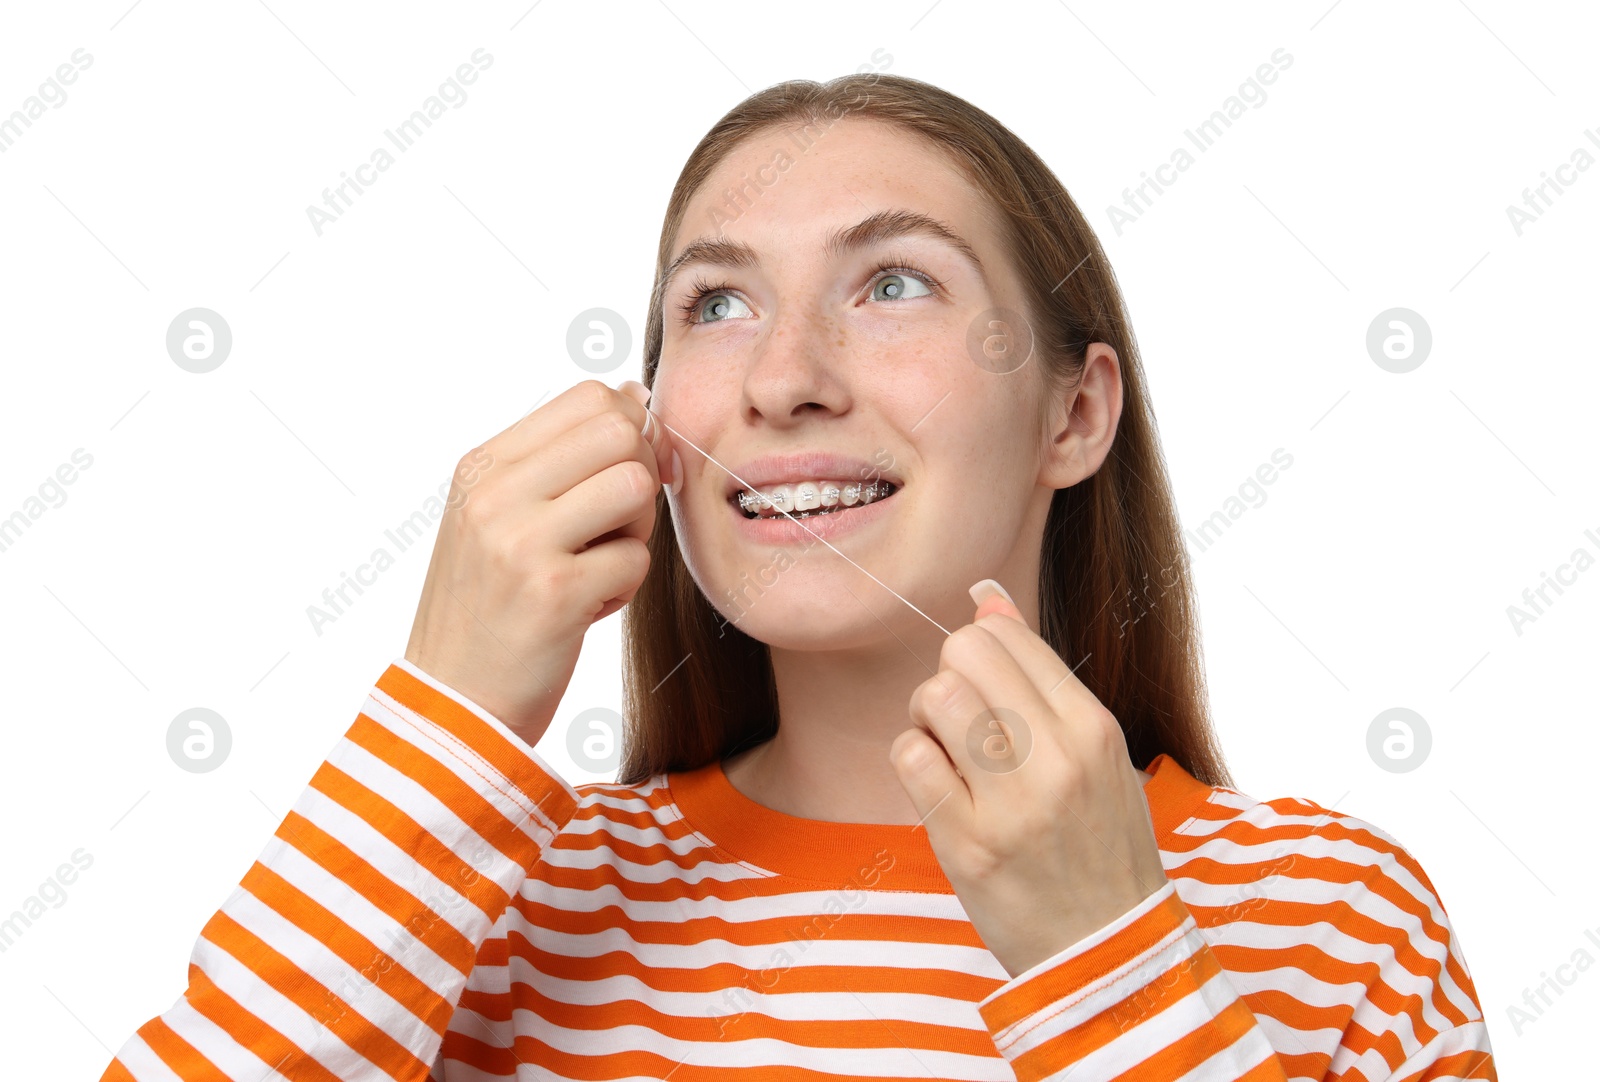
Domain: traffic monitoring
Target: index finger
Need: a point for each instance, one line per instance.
(544, 423)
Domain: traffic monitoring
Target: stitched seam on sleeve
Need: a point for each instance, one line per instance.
(477, 764)
(1026, 1026)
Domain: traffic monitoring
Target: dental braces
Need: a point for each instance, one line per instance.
(871, 492)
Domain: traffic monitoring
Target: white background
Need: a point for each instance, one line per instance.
(367, 360)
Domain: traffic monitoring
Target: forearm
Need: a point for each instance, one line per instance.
(344, 949)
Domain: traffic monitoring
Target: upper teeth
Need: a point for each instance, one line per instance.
(807, 495)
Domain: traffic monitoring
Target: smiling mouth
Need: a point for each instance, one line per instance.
(810, 500)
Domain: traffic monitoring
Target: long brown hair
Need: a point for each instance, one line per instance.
(1115, 592)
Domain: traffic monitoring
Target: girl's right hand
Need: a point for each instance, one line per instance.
(544, 533)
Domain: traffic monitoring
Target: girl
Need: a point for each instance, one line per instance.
(864, 826)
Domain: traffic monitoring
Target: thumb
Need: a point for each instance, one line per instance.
(991, 597)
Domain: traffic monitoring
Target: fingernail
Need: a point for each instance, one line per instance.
(677, 473)
(650, 429)
(988, 588)
(635, 390)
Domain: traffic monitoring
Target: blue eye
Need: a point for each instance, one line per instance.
(720, 306)
(893, 287)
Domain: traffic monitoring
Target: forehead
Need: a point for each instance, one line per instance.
(794, 184)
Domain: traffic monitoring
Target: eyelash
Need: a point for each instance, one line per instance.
(702, 289)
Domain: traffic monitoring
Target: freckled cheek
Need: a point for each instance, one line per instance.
(935, 343)
(922, 348)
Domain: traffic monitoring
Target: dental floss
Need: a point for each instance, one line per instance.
(803, 526)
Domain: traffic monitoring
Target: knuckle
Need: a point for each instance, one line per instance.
(636, 480)
(480, 511)
(637, 553)
(945, 691)
(915, 756)
(597, 395)
(470, 470)
(991, 621)
(964, 643)
(1107, 732)
(619, 432)
(549, 580)
(503, 549)
(981, 857)
(1069, 778)
(474, 462)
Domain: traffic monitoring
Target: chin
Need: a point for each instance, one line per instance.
(810, 607)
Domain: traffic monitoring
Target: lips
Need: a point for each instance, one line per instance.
(810, 527)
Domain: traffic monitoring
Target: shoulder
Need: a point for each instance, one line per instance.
(624, 811)
(1327, 921)
(616, 834)
(1341, 895)
(1291, 846)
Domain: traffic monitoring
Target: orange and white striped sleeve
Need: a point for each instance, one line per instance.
(345, 948)
(1349, 970)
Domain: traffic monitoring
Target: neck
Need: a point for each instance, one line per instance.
(839, 711)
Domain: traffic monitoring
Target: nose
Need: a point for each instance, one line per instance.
(796, 368)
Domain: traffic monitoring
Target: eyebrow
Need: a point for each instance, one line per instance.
(874, 229)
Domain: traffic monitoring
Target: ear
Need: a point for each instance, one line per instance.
(1084, 422)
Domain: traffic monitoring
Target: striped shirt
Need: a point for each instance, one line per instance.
(440, 904)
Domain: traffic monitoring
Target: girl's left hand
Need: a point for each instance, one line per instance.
(1025, 788)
